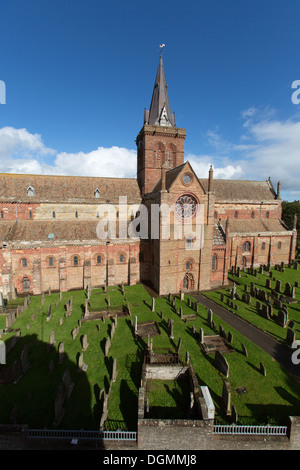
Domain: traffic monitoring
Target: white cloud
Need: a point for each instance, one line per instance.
(267, 147)
(21, 143)
(23, 152)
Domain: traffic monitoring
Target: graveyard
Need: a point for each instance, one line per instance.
(74, 359)
(268, 299)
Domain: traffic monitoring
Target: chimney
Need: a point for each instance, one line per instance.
(210, 179)
(278, 190)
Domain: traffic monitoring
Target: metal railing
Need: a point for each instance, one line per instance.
(80, 434)
(262, 430)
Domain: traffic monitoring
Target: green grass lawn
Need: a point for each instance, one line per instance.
(268, 399)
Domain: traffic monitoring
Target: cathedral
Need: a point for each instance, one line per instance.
(49, 224)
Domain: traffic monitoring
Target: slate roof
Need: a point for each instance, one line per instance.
(66, 189)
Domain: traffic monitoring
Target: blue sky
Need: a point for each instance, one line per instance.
(79, 73)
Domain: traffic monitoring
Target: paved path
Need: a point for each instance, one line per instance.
(281, 353)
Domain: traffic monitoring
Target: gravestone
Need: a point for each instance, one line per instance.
(209, 315)
(52, 338)
(67, 383)
(153, 305)
(262, 369)
(61, 353)
(226, 397)
(221, 364)
(85, 343)
(75, 332)
(114, 370)
(58, 405)
(24, 359)
(80, 364)
(107, 346)
(244, 350)
(290, 337)
(171, 329)
(282, 318)
(201, 336)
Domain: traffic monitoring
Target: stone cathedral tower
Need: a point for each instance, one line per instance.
(160, 143)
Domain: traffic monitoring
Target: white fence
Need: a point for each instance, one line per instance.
(252, 430)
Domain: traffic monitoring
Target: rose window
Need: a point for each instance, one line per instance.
(186, 206)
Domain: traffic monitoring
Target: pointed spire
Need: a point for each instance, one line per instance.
(160, 111)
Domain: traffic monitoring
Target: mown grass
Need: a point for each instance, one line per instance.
(268, 399)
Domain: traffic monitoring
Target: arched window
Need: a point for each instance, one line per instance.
(215, 215)
(246, 246)
(24, 262)
(252, 215)
(53, 215)
(99, 259)
(214, 262)
(279, 245)
(76, 215)
(267, 215)
(50, 261)
(75, 261)
(263, 246)
(188, 265)
(121, 258)
(1, 214)
(97, 193)
(30, 215)
(236, 214)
